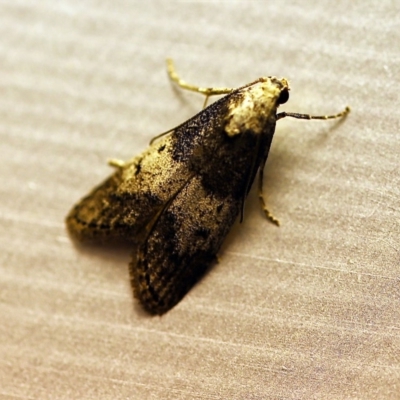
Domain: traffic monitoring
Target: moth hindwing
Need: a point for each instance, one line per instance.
(178, 199)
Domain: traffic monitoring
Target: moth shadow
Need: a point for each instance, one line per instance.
(120, 250)
(114, 257)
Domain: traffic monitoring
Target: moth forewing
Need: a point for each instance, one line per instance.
(230, 140)
(181, 245)
(123, 204)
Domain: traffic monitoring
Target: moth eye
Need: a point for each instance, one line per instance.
(283, 97)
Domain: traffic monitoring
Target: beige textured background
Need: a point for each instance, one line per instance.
(306, 311)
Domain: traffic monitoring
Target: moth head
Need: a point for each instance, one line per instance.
(283, 96)
(283, 85)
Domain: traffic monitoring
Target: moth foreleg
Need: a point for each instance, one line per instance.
(210, 91)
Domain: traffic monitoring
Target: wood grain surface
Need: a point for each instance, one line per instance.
(309, 310)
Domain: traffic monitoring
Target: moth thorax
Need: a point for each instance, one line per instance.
(254, 107)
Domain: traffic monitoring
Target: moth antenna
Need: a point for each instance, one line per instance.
(308, 116)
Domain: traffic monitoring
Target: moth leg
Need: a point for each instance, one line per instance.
(268, 214)
(116, 163)
(308, 116)
(211, 91)
(120, 164)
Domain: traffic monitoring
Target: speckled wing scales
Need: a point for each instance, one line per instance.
(181, 245)
(122, 205)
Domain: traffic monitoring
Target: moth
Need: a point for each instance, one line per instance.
(177, 200)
